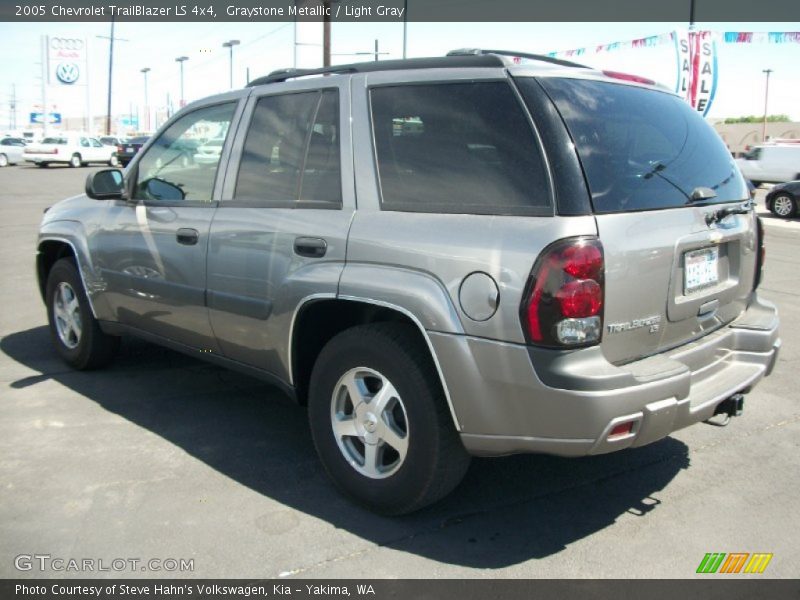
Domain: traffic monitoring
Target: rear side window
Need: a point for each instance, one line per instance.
(457, 148)
(291, 153)
(641, 149)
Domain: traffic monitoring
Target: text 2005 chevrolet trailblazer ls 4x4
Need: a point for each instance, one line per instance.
(445, 257)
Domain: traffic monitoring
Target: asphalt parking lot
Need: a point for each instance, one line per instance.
(163, 457)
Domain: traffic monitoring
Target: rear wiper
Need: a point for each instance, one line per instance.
(701, 193)
(715, 216)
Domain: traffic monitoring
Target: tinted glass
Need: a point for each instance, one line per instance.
(641, 149)
(457, 148)
(168, 172)
(52, 140)
(138, 140)
(291, 152)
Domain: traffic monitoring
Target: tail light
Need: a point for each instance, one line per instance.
(563, 305)
(120, 149)
(762, 253)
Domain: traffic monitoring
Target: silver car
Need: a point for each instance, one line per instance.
(477, 254)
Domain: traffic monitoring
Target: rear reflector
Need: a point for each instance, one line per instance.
(621, 430)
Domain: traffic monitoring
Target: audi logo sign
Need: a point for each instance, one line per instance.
(66, 44)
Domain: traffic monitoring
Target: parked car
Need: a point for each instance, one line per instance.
(551, 259)
(73, 149)
(128, 149)
(10, 151)
(110, 140)
(771, 163)
(783, 199)
(209, 152)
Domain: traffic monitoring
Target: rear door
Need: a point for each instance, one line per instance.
(674, 270)
(280, 232)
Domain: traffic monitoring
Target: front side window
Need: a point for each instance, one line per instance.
(457, 148)
(172, 170)
(291, 152)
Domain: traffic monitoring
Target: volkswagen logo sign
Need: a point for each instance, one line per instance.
(67, 73)
(66, 44)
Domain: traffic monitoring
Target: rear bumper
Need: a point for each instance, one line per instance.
(504, 407)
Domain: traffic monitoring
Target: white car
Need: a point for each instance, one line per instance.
(771, 163)
(10, 152)
(209, 153)
(74, 150)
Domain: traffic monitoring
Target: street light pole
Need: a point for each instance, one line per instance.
(145, 71)
(230, 44)
(766, 100)
(181, 60)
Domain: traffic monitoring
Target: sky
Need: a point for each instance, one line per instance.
(266, 46)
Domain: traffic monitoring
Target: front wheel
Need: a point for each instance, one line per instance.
(380, 422)
(75, 332)
(75, 161)
(784, 206)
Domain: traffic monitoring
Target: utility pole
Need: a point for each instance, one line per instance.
(229, 45)
(405, 26)
(45, 64)
(181, 60)
(376, 51)
(326, 34)
(12, 108)
(766, 100)
(111, 38)
(145, 71)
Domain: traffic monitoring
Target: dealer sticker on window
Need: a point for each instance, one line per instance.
(700, 269)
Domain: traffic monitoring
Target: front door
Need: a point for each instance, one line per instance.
(152, 251)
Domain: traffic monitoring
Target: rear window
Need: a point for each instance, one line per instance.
(457, 148)
(52, 140)
(641, 149)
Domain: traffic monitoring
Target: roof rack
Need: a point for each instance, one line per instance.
(511, 53)
(465, 57)
(455, 61)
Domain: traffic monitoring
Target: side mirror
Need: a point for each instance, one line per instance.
(107, 184)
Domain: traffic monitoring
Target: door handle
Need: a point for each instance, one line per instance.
(310, 247)
(187, 236)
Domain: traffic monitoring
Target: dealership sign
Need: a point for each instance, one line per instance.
(37, 118)
(66, 60)
(697, 69)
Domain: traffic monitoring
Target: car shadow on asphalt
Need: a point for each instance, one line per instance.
(506, 511)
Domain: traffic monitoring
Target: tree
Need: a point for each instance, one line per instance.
(755, 119)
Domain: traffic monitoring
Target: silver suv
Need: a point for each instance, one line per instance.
(477, 254)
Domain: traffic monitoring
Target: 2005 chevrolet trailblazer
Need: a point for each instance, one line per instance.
(442, 257)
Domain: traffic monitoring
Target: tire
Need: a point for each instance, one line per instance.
(42, 165)
(113, 161)
(74, 331)
(418, 455)
(783, 205)
(75, 161)
(3, 161)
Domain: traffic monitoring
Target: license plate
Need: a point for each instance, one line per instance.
(129, 149)
(700, 269)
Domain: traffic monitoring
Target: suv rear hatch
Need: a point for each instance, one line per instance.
(661, 182)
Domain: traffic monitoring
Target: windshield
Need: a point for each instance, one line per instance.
(641, 149)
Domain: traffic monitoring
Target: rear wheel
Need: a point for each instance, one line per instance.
(75, 332)
(75, 161)
(380, 421)
(42, 165)
(784, 206)
(3, 160)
